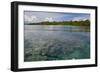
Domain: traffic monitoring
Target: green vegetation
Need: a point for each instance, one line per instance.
(73, 23)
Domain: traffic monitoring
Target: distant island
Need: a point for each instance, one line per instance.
(73, 23)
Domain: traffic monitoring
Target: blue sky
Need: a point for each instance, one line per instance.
(37, 16)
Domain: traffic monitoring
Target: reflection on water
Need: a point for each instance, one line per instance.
(56, 42)
(56, 28)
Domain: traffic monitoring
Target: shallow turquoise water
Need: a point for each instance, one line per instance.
(50, 42)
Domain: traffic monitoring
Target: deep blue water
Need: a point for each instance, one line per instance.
(56, 42)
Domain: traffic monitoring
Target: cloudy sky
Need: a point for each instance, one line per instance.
(37, 16)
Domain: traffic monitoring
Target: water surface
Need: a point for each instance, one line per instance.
(56, 42)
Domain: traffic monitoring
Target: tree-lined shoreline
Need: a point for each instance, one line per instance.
(73, 23)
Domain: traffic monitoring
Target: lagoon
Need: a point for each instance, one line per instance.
(56, 42)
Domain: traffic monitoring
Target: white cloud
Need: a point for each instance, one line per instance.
(50, 19)
(80, 18)
(29, 19)
(34, 19)
(26, 18)
(41, 16)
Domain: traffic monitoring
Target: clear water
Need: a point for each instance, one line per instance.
(56, 42)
